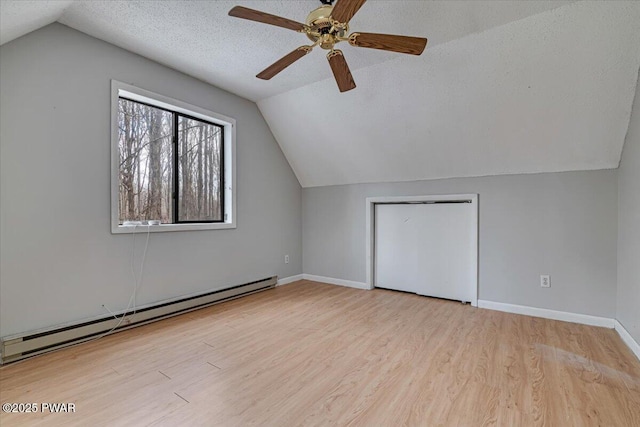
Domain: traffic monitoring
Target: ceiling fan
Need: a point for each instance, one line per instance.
(326, 26)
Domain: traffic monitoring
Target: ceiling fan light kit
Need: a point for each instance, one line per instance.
(327, 26)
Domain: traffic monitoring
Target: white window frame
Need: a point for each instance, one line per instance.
(134, 93)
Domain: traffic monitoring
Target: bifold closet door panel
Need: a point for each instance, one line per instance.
(425, 249)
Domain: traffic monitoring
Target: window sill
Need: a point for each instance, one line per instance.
(129, 229)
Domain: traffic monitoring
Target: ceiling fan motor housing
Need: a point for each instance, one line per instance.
(319, 20)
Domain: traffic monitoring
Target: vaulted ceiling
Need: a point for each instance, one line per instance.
(503, 86)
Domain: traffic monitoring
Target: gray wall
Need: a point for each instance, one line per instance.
(562, 224)
(628, 312)
(59, 261)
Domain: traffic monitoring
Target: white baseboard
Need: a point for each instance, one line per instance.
(339, 282)
(290, 279)
(627, 338)
(565, 316)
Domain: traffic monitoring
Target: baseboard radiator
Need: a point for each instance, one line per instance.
(17, 347)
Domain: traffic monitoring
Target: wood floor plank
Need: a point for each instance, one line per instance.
(313, 354)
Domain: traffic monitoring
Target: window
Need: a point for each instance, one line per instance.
(172, 163)
(149, 139)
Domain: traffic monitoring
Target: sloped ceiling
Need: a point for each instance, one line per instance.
(200, 39)
(552, 92)
(503, 87)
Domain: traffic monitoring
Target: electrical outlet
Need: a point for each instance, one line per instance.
(545, 281)
(286, 259)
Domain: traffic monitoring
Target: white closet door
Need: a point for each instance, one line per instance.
(426, 249)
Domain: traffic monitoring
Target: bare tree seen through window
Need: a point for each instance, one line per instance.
(147, 170)
(199, 152)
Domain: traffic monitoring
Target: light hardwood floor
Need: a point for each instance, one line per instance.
(317, 354)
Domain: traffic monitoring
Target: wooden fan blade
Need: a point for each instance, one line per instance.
(265, 18)
(401, 44)
(345, 9)
(283, 62)
(341, 70)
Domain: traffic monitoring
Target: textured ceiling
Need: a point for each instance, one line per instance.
(200, 39)
(551, 92)
(18, 18)
(503, 86)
